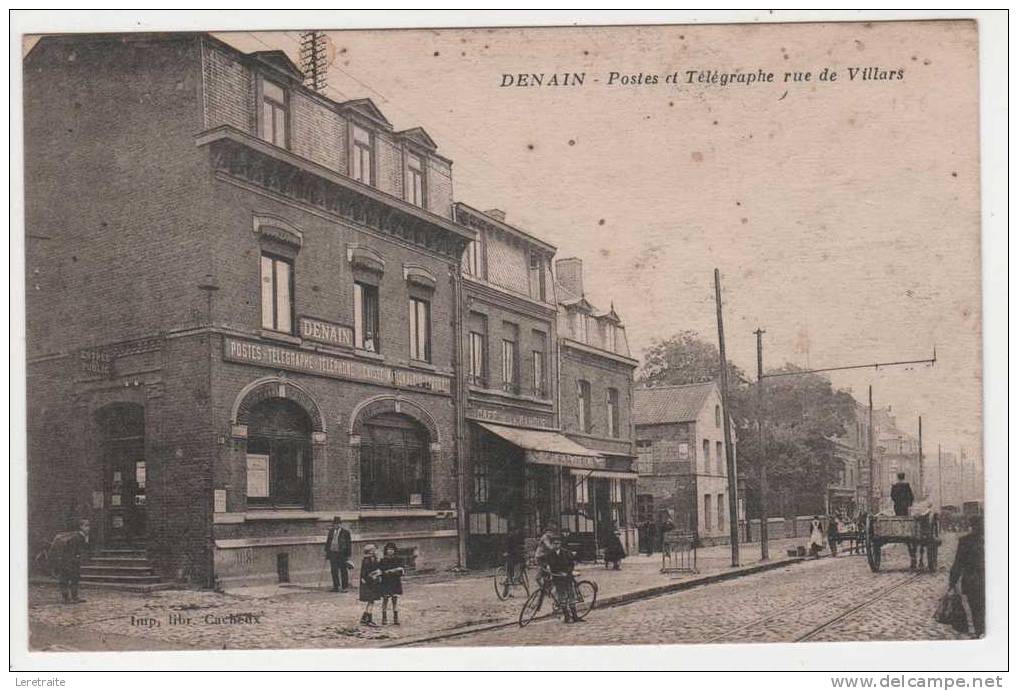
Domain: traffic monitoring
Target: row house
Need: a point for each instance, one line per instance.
(251, 308)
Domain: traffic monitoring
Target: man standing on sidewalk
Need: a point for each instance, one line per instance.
(337, 551)
(66, 552)
(969, 568)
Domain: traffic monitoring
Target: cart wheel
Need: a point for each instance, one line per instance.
(872, 547)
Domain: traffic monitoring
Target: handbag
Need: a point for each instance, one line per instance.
(951, 611)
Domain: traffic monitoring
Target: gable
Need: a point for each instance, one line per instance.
(279, 60)
(420, 137)
(365, 107)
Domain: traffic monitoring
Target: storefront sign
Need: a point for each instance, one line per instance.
(507, 418)
(330, 366)
(567, 460)
(326, 332)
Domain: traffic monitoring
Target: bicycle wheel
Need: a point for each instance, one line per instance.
(531, 607)
(501, 583)
(525, 580)
(586, 597)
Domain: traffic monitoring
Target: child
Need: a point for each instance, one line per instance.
(560, 564)
(614, 552)
(392, 582)
(371, 575)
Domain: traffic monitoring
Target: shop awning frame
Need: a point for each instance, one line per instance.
(545, 447)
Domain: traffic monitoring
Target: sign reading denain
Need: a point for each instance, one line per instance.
(328, 366)
(326, 332)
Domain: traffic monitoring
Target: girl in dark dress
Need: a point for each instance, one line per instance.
(391, 586)
(614, 552)
(370, 586)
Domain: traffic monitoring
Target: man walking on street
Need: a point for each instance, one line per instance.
(337, 551)
(969, 568)
(66, 552)
(902, 498)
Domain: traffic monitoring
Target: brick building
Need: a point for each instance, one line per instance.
(222, 269)
(252, 308)
(596, 395)
(682, 460)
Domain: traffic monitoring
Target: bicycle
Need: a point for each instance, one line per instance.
(506, 578)
(586, 598)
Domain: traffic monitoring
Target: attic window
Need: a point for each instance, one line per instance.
(272, 126)
(415, 180)
(362, 152)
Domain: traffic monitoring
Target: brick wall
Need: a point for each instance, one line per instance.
(439, 179)
(229, 90)
(318, 133)
(602, 374)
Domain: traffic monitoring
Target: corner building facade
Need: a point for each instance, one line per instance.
(241, 313)
(252, 308)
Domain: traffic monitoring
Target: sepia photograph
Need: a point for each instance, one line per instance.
(518, 335)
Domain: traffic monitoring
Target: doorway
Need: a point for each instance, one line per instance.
(125, 475)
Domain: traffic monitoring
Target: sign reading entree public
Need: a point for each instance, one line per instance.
(235, 350)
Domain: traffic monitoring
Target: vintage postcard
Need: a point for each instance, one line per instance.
(413, 338)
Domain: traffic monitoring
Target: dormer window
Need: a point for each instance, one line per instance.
(415, 180)
(363, 155)
(273, 126)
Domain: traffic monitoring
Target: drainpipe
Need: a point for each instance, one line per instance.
(209, 287)
(459, 410)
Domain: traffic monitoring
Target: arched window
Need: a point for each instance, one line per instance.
(394, 463)
(278, 454)
(717, 416)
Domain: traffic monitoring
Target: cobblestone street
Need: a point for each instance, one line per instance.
(779, 605)
(799, 602)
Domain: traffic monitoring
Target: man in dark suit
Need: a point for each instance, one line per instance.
(902, 498)
(969, 568)
(337, 551)
(66, 552)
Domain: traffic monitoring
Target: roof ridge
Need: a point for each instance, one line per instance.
(675, 386)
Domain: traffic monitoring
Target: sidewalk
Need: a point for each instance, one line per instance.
(298, 616)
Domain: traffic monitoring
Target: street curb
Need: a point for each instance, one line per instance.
(614, 601)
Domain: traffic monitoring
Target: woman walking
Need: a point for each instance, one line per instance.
(816, 537)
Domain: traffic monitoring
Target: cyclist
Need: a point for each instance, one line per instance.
(559, 563)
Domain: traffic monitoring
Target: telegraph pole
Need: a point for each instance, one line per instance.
(922, 487)
(874, 505)
(764, 508)
(940, 478)
(733, 485)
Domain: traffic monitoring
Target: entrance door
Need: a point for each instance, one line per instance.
(124, 475)
(602, 509)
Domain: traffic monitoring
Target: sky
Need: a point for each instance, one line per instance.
(843, 215)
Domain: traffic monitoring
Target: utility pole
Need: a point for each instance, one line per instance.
(922, 487)
(874, 505)
(940, 478)
(733, 485)
(764, 507)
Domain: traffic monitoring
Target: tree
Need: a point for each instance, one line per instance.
(685, 358)
(803, 414)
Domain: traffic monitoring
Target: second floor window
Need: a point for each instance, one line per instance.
(510, 372)
(420, 330)
(706, 455)
(473, 258)
(363, 155)
(277, 294)
(539, 383)
(583, 404)
(612, 410)
(477, 358)
(415, 180)
(273, 124)
(365, 317)
(537, 288)
(720, 453)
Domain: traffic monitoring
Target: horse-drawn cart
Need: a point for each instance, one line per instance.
(921, 534)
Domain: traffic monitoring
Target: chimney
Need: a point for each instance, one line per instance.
(497, 214)
(569, 273)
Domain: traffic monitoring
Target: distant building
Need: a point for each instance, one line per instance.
(894, 451)
(682, 459)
